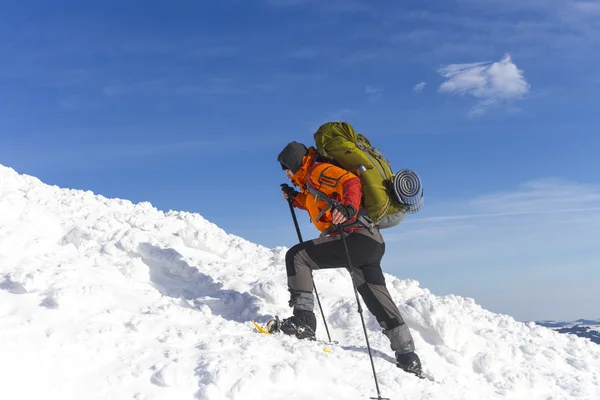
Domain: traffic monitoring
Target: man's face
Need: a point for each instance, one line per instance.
(288, 174)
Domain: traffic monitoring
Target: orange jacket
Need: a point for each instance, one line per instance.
(333, 181)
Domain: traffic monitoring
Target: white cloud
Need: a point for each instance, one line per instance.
(287, 3)
(556, 197)
(214, 86)
(419, 87)
(374, 93)
(74, 103)
(113, 90)
(543, 195)
(329, 6)
(339, 115)
(536, 207)
(305, 53)
(490, 83)
(590, 8)
(221, 90)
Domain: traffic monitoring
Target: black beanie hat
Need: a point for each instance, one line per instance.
(291, 156)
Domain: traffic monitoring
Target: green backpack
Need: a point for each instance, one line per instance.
(387, 197)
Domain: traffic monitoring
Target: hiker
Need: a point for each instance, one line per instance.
(309, 171)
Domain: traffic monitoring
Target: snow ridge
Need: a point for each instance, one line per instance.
(105, 299)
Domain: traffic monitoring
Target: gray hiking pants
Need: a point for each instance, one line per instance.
(366, 251)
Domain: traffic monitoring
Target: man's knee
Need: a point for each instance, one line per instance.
(297, 257)
(372, 302)
(289, 259)
(299, 268)
(373, 274)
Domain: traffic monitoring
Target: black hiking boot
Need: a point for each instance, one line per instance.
(410, 363)
(302, 324)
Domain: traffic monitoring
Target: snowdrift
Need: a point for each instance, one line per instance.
(104, 299)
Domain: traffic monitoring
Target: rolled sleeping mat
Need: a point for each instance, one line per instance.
(408, 190)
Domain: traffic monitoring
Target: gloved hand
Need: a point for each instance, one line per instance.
(348, 212)
(288, 191)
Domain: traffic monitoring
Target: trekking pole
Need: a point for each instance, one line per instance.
(314, 286)
(341, 231)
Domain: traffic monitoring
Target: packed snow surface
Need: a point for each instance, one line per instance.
(104, 299)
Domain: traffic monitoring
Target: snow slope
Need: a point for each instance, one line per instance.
(104, 299)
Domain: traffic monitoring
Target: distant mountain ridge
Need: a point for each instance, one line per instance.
(586, 328)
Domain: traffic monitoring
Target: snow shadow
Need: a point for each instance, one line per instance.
(174, 277)
(6, 283)
(374, 352)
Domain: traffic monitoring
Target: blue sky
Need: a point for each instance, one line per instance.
(187, 104)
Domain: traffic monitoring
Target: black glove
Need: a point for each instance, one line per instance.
(347, 211)
(290, 191)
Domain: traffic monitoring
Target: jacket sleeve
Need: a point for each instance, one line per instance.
(351, 191)
(299, 201)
